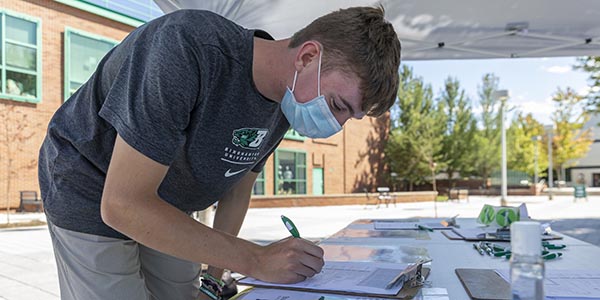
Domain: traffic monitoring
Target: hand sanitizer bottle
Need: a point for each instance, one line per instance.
(526, 263)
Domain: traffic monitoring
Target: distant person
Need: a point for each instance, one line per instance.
(288, 175)
(181, 114)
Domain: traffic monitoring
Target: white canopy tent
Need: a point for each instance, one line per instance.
(433, 30)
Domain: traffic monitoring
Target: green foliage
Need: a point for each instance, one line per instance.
(591, 65)
(570, 140)
(487, 140)
(428, 136)
(460, 127)
(524, 139)
(417, 132)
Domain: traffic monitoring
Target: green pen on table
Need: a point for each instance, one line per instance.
(552, 255)
(290, 226)
(553, 246)
(476, 246)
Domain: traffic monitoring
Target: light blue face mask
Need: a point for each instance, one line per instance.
(313, 118)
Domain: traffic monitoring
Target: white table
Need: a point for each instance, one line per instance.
(449, 255)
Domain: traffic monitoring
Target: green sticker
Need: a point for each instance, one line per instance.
(487, 215)
(506, 216)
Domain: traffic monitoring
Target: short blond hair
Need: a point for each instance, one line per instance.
(359, 40)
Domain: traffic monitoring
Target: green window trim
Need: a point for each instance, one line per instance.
(259, 184)
(296, 182)
(292, 134)
(20, 75)
(103, 12)
(69, 78)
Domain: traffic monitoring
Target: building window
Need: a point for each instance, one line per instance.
(259, 184)
(290, 172)
(144, 10)
(292, 134)
(20, 57)
(83, 52)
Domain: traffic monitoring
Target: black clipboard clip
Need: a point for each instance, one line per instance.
(412, 275)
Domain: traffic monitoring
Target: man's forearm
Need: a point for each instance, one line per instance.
(231, 212)
(161, 226)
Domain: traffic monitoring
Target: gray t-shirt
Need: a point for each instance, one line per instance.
(178, 89)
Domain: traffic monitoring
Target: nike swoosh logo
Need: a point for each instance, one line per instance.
(229, 174)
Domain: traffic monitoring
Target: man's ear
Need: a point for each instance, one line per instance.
(307, 53)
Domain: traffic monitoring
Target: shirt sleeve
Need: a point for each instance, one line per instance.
(153, 93)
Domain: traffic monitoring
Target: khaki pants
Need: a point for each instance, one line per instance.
(96, 267)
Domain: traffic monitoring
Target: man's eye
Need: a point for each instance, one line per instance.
(336, 106)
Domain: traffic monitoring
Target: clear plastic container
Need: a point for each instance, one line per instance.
(526, 263)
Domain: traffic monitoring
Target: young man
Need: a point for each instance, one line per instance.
(184, 113)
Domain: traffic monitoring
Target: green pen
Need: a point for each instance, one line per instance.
(476, 246)
(554, 247)
(290, 226)
(552, 255)
(496, 247)
(423, 227)
(486, 248)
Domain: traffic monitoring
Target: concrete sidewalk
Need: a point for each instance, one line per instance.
(28, 270)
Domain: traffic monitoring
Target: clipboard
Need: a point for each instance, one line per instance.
(407, 292)
(484, 284)
(415, 274)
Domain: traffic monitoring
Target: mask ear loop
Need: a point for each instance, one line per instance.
(319, 74)
(294, 82)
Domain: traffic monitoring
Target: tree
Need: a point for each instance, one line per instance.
(570, 140)
(522, 145)
(487, 139)
(415, 138)
(14, 133)
(459, 130)
(591, 64)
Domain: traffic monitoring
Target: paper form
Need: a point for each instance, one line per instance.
(568, 284)
(373, 253)
(276, 294)
(358, 277)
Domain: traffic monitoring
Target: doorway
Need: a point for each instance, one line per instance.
(317, 179)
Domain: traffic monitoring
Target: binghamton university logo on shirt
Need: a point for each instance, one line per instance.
(249, 138)
(246, 138)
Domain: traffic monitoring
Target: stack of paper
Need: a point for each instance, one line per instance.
(355, 277)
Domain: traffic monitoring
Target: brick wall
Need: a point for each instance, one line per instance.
(54, 18)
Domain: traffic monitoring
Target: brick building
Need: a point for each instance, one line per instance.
(50, 47)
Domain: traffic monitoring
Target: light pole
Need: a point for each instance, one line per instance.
(432, 166)
(550, 131)
(502, 95)
(535, 140)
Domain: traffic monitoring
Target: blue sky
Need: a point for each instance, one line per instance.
(531, 82)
